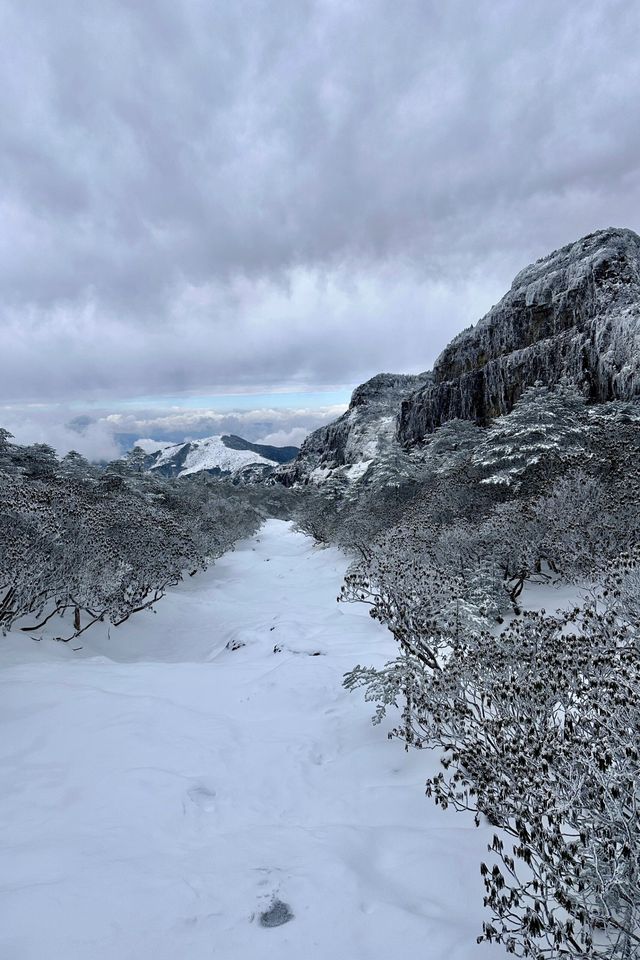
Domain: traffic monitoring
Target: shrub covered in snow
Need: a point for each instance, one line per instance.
(102, 544)
(538, 721)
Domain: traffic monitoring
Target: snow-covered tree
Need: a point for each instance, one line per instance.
(545, 428)
(452, 446)
(75, 466)
(539, 729)
(6, 464)
(538, 726)
(38, 462)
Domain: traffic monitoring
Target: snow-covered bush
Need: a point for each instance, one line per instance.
(539, 729)
(538, 722)
(103, 544)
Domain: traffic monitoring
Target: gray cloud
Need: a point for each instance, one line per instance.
(233, 195)
(97, 439)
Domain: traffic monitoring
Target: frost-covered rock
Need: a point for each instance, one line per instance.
(278, 913)
(574, 314)
(355, 438)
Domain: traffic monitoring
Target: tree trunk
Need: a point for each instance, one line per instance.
(5, 606)
(76, 619)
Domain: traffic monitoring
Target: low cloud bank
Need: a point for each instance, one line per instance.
(106, 435)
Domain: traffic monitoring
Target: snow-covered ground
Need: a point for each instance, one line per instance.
(159, 789)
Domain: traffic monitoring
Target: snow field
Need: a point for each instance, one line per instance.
(159, 790)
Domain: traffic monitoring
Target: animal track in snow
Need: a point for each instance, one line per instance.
(202, 796)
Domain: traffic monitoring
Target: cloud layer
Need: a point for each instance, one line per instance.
(199, 195)
(105, 436)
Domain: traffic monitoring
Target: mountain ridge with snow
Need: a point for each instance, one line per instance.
(219, 455)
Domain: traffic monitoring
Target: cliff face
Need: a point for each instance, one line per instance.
(357, 436)
(573, 314)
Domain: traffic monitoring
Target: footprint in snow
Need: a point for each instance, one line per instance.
(202, 796)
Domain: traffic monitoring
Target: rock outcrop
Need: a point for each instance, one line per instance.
(574, 314)
(355, 438)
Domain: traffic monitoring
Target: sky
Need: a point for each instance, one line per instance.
(222, 216)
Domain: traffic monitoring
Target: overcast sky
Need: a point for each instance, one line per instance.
(203, 198)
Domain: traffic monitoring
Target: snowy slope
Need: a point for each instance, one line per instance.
(159, 789)
(208, 454)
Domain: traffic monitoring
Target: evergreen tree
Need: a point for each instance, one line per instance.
(451, 447)
(545, 428)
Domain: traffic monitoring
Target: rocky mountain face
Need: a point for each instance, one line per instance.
(355, 438)
(572, 314)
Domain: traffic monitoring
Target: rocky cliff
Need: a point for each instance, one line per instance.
(573, 314)
(355, 438)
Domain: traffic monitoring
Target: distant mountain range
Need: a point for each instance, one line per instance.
(225, 455)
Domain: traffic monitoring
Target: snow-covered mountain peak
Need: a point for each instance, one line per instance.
(207, 454)
(218, 454)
